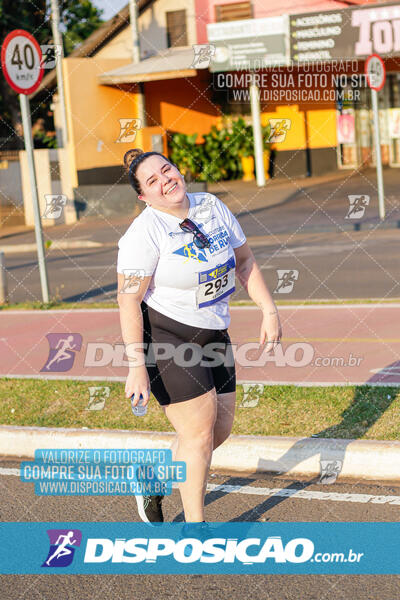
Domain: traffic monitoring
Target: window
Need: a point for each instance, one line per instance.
(176, 28)
(233, 12)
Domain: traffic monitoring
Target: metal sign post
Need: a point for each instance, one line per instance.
(376, 75)
(21, 61)
(257, 133)
(27, 125)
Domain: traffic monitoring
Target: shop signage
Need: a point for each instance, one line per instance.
(348, 33)
(249, 43)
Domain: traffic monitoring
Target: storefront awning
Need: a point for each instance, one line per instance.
(169, 64)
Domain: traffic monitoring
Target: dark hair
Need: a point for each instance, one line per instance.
(132, 159)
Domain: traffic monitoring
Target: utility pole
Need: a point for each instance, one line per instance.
(57, 40)
(133, 15)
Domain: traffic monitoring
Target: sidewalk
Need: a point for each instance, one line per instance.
(239, 194)
(88, 232)
(360, 459)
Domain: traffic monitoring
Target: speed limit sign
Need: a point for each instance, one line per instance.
(21, 61)
(375, 72)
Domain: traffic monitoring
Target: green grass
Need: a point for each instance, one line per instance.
(55, 304)
(334, 412)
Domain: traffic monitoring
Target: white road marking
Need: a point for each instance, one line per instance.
(4, 471)
(104, 267)
(387, 370)
(312, 250)
(304, 494)
(283, 492)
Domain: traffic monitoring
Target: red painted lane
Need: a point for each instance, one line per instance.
(355, 344)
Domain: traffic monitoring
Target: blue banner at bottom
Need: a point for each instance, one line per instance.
(220, 548)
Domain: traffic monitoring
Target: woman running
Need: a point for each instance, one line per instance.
(176, 270)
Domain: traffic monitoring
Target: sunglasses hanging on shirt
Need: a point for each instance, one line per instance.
(199, 238)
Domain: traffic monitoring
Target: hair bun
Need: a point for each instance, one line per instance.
(130, 155)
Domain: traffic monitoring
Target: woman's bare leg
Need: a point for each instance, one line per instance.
(193, 421)
(226, 412)
(226, 404)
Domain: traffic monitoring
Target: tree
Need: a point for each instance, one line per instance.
(79, 18)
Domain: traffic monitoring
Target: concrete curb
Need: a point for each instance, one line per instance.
(362, 459)
(55, 245)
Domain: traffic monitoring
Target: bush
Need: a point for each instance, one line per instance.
(42, 140)
(187, 155)
(219, 156)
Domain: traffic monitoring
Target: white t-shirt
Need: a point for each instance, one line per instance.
(189, 284)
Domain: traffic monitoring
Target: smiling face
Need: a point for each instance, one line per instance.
(162, 185)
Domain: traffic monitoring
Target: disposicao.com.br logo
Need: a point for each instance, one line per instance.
(212, 550)
(217, 547)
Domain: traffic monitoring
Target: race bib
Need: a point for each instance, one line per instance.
(216, 283)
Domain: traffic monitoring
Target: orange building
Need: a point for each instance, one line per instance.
(102, 85)
(101, 90)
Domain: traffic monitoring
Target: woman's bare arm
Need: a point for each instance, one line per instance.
(251, 278)
(130, 296)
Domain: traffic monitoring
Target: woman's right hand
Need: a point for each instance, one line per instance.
(137, 383)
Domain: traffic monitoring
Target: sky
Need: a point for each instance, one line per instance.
(111, 7)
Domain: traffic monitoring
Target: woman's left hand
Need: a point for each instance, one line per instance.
(271, 330)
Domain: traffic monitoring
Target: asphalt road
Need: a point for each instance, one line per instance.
(306, 204)
(291, 224)
(361, 264)
(19, 503)
(324, 207)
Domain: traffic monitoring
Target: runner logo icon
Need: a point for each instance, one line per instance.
(286, 280)
(128, 129)
(63, 543)
(62, 351)
(358, 203)
(203, 54)
(279, 129)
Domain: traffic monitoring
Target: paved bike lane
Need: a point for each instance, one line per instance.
(321, 344)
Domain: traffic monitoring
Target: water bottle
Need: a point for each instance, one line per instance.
(139, 410)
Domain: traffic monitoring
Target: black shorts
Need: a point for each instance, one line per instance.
(186, 374)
